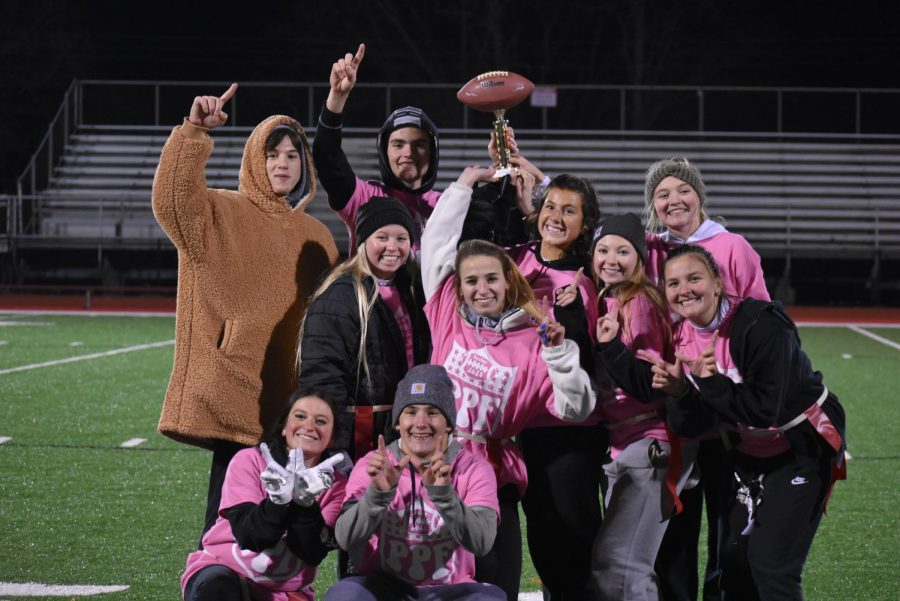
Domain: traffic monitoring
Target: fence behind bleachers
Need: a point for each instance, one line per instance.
(785, 197)
(791, 195)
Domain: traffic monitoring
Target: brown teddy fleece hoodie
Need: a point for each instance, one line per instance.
(247, 263)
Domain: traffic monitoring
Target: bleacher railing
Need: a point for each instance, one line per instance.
(629, 110)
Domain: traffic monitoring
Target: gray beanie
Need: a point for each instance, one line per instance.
(678, 167)
(426, 385)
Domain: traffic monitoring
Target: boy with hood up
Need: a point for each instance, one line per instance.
(247, 262)
(407, 156)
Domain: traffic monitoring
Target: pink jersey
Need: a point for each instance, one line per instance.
(501, 381)
(641, 326)
(420, 207)
(270, 573)
(412, 541)
(691, 342)
(545, 281)
(739, 264)
(397, 307)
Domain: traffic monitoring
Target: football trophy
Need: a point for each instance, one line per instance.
(496, 92)
(493, 213)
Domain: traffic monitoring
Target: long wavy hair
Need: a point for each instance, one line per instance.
(519, 294)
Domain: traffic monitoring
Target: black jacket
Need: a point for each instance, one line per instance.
(330, 349)
(778, 380)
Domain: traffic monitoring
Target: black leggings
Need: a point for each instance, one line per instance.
(223, 451)
(562, 504)
(215, 583)
(676, 561)
(502, 565)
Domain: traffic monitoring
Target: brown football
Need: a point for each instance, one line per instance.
(495, 90)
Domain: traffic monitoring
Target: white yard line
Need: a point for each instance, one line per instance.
(119, 351)
(848, 324)
(133, 442)
(79, 312)
(875, 337)
(4, 439)
(34, 589)
(531, 596)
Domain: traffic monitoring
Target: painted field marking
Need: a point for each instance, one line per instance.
(35, 589)
(76, 343)
(531, 597)
(4, 439)
(81, 313)
(133, 442)
(119, 351)
(2, 342)
(26, 323)
(847, 324)
(875, 337)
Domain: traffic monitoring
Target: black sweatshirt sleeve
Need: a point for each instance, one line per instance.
(308, 537)
(333, 169)
(573, 319)
(630, 373)
(257, 527)
(771, 370)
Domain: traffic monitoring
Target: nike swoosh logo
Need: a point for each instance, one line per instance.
(798, 480)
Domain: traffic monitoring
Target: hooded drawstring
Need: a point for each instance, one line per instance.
(411, 509)
(485, 322)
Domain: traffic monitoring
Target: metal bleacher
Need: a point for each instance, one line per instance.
(795, 196)
(785, 197)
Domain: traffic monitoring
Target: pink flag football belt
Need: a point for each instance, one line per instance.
(817, 418)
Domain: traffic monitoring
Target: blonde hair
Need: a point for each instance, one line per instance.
(359, 269)
(520, 293)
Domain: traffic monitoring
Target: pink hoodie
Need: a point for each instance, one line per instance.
(412, 540)
(739, 264)
(270, 573)
(641, 326)
(691, 342)
(504, 380)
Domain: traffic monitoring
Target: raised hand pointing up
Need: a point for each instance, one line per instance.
(343, 78)
(207, 110)
(384, 474)
(608, 326)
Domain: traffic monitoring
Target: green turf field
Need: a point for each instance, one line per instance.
(76, 509)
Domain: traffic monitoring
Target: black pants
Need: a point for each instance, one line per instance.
(767, 562)
(676, 562)
(215, 583)
(223, 451)
(502, 565)
(562, 504)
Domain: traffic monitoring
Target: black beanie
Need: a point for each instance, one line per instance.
(627, 226)
(379, 212)
(426, 385)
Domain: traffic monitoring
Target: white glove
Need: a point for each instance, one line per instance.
(311, 482)
(278, 481)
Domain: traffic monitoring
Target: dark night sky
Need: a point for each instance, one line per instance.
(44, 44)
